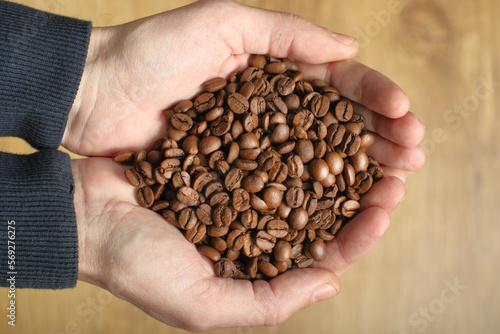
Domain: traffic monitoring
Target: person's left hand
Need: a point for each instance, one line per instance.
(136, 70)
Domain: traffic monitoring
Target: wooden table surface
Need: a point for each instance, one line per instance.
(435, 270)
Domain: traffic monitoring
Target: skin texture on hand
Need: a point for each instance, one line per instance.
(135, 71)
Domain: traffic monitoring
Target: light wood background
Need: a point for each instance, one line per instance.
(445, 55)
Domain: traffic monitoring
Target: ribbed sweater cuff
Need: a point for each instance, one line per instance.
(42, 57)
(36, 192)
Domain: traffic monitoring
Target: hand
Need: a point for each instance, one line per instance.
(136, 70)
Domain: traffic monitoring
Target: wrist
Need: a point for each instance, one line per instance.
(86, 96)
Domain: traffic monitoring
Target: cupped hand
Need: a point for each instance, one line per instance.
(136, 70)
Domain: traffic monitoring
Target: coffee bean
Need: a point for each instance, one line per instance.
(349, 208)
(196, 233)
(265, 241)
(252, 183)
(298, 218)
(209, 144)
(305, 150)
(241, 200)
(134, 177)
(335, 162)
(183, 106)
(187, 218)
(320, 105)
(238, 103)
(210, 252)
(363, 182)
(318, 250)
(267, 269)
(344, 110)
(204, 214)
(224, 268)
(124, 157)
(319, 169)
(188, 196)
(275, 68)
(366, 140)
(272, 196)
(181, 122)
(277, 228)
(205, 101)
(144, 196)
(214, 84)
(295, 197)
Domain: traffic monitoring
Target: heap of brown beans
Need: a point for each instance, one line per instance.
(258, 171)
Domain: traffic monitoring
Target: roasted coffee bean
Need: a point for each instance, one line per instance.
(160, 205)
(272, 196)
(295, 197)
(349, 208)
(275, 68)
(295, 166)
(134, 177)
(320, 105)
(183, 106)
(359, 161)
(250, 248)
(363, 182)
(366, 140)
(267, 269)
(310, 202)
(241, 200)
(318, 250)
(277, 228)
(196, 233)
(124, 157)
(219, 198)
(187, 218)
(144, 196)
(265, 241)
(181, 122)
(298, 218)
(216, 231)
(349, 174)
(222, 216)
(224, 268)
(204, 214)
(302, 261)
(335, 162)
(210, 252)
(335, 134)
(319, 169)
(252, 183)
(204, 102)
(238, 103)
(188, 196)
(344, 110)
(305, 150)
(214, 84)
(278, 172)
(236, 239)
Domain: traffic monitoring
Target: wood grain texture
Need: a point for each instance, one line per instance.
(445, 54)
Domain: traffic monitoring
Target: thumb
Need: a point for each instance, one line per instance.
(258, 303)
(281, 34)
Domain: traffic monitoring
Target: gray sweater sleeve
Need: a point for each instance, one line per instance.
(42, 57)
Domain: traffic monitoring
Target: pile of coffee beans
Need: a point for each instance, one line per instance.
(259, 170)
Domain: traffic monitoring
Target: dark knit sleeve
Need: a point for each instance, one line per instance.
(42, 56)
(37, 218)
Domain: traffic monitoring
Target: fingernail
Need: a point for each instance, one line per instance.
(323, 292)
(344, 39)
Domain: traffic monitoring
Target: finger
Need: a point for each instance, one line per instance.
(399, 173)
(355, 240)
(280, 34)
(363, 85)
(261, 303)
(396, 156)
(385, 194)
(406, 131)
